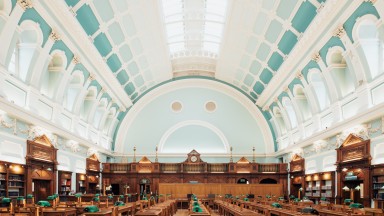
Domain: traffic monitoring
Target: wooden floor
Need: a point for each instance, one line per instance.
(184, 212)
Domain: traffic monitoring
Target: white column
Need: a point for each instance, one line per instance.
(8, 32)
(3, 74)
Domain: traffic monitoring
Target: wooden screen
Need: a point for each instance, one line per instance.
(180, 190)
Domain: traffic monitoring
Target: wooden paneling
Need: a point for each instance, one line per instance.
(178, 190)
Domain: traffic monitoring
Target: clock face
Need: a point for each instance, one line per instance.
(193, 158)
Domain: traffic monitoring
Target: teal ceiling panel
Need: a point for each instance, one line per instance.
(125, 53)
(102, 44)
(32, 14)
(114, 63)
(321, 1)
(129, 88)
(87, 19)
(275, 61)
(282, 95)
(96, 84)
(363, 9)
(287, 42)
(133, 69)
(71, 3)
(60, 45)
(248, 80)
(268, 4)
(139, 81)
(121, 5)
(116, 33)
(285, 8)
(254, 95)
(263, 51)
(104, 9)
(260, 23)
(304, 16)
(128, 25)
(255, 67)
(273, 31)
(258, 87)
(266, 76)
(13, 4)
(122, 77)
(332, 42)
(251, 45)
(134, 96)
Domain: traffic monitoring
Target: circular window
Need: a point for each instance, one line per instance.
(176, 106)
(210, 106)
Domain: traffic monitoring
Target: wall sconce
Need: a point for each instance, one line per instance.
(357, 187)
(346, 188)
(344, 169)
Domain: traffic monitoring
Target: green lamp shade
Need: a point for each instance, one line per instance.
(348, 200)
(305, 198)
(119, 203)
(195, 199)
(20, 198)
(197, 209)
(356, 205)
(121, 196)
(281, 198)
(276, 205)
(55, 195)
(51, 197)
(268, 196)
(96, 199)
(43, 203)
(292, 197)
(145, 198)
(78, 195)
(297, 200)
(6, 200)
(110, 197)
(323, 199)
(129, 195)
(246, 199)
(29, 196)
(91, 209)
(195, 203)
(97, 195)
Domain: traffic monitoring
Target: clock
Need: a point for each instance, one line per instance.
(193, 158)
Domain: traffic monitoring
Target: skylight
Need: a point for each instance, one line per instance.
(194, 27)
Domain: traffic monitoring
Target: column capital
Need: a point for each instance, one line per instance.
(339, 31)
(54, 35)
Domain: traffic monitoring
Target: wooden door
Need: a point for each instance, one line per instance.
(42, 189)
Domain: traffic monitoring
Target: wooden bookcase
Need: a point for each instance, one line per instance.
(81, 186)
(320, 185)
(296, 167)
(93, 174)
(353, 167)
(65, 181)
(12, 179)
(378, 185)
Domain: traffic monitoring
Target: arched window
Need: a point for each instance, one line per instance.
(368, 36)
(302, 102)
(51, 77)
(109, 120)
(89, 101)
(73, 90)
(280, 120)
(340, 72)
(287, 103)
(316, 80)
(100, 110)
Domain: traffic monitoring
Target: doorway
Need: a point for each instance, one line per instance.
(145, 187)
(42, 189)
(115, 189)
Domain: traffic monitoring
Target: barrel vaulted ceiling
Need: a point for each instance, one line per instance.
(243, 43)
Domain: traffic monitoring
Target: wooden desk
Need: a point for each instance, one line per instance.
(230, 209)
(106, 212)
(150, 212)
(58, 212)
(125, 210)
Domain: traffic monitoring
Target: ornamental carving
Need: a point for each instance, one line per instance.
(316, 57)
(25, 4)
(54, 36)
(339, 32)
